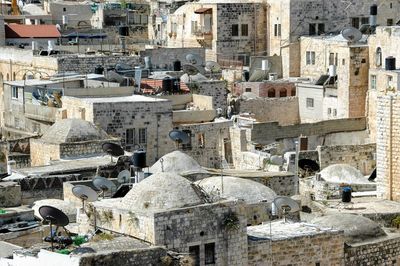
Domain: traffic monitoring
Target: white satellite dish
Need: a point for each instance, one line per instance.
(190, 70)
(212, 66)
(276, 160)
(351, 34)
(84, 193)
(103, 184)
(284, 205)
(194, 59)
(124, 176)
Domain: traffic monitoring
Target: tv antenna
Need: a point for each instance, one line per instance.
(103, 184)
(112, 149)
(285, 205)
(179, 137)
(351, 34)
(124, 177)
(56, 217)
(84, 193)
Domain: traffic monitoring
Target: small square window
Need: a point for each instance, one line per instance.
(142, 135)
(373, 82)
(309, 102)
(248, 89)
(245, 30)
(235, 30)
(130, 136)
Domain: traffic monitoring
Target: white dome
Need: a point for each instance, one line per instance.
(342, 173)
(176, 162)
(238, 188)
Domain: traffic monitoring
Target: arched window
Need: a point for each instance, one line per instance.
(283, 93)
(378, 57)
(271, 93)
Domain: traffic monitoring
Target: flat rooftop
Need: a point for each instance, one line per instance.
(126, 99)
(280, 230)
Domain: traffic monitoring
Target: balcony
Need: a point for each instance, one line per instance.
(204, 38)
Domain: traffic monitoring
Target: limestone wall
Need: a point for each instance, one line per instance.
(43, 153)
(321, 249)
(358, 156)
(216, 89)
(283, 110)
(78, 149)
(266, 88)
(161, 56)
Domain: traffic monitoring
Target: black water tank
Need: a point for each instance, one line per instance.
(346, 194)
(99, 70)
(167, 84)
(373, 10)
(123, 30)
(176, 84)
(139, 158)
(390, 63)
(177, 65)
(246, 75)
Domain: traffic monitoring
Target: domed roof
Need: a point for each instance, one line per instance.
(239, 188)
(342, 173)
(176, 162)
(73, 130)
(161, 191)
(355, 227)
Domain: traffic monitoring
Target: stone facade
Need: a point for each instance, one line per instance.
(216, 89)
(266, 89)
(10, 194)
(166, 56)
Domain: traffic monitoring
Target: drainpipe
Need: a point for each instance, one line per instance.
(390, 147)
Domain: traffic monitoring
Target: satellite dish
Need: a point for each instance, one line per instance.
(190, 70)
(112, 149)
(84, 193)
(351, 34)
(285, 205)
(308, 165)
(179, 136)
(53, 216)
(194, 59)
(124, 177)
(103, 184)
(276, 160)
(212, 66)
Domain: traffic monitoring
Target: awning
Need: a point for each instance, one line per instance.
(203, 10)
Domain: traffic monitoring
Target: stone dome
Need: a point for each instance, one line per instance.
(73, 130)
(342, 173)
(355, 227)
(161, 191)
(238, 188)
(176, 162)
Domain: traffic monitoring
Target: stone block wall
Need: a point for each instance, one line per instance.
(78, 149)
(358, 156)
(216, 89)
(284, 184)
(10, 194)
(21, 160)
(167, 56)
(42, 153)
(283, 110)
(324, 249)
(383, 252)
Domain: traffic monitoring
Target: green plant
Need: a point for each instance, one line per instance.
(133, 220)
(396, 221)
(231, 222)
(108, 216)
(102, 237)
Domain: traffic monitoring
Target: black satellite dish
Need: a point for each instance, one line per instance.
(56, 217)
(308, 165)
(179, 136)
(112, 149)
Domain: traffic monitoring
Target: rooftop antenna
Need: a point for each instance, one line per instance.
(351, 34)
(179, 137)
(103, 184)
(84, 193)
(285, 205)
(56, 217)
(112, 149)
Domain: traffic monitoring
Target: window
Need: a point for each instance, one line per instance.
(311, 29)
(142, 135)
(64, 9)
(194, 27)
(391, 5)
(336, 59)
(14, 92)
(329, 111)
(331, 58)
(194, 252)
(355, 22)
(271, 93)
(235, 30)
(321, 28)
(209, 252)
(334, 112)
(187, 146)
(201, 140)
(378, 56)
(389, 22)
(130, 136)
(365, 20)
(343, 62)
(389, 81)
(316, 28)
(248, 89)
(310, 58)
(277, 30)
(245, 30)
(309, 102)
(373, 82)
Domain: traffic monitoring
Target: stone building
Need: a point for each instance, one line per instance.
(227, 30)
(336, 93)
(290, 19)
(68, 138)
(137, 120)
(266, 89)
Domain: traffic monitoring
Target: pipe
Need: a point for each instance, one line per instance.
(390, 147)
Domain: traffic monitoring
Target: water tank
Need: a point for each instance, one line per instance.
(64, 19)
(373, 10)
(273, 76)
(246, 75)
(177, 65)
(390, 63)
(332, 70)
(264, 65)
(50, 45)
(167, 84)
(123, 30)
(346, 194)
(99, 70)
(176, 84)
(139, 159)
